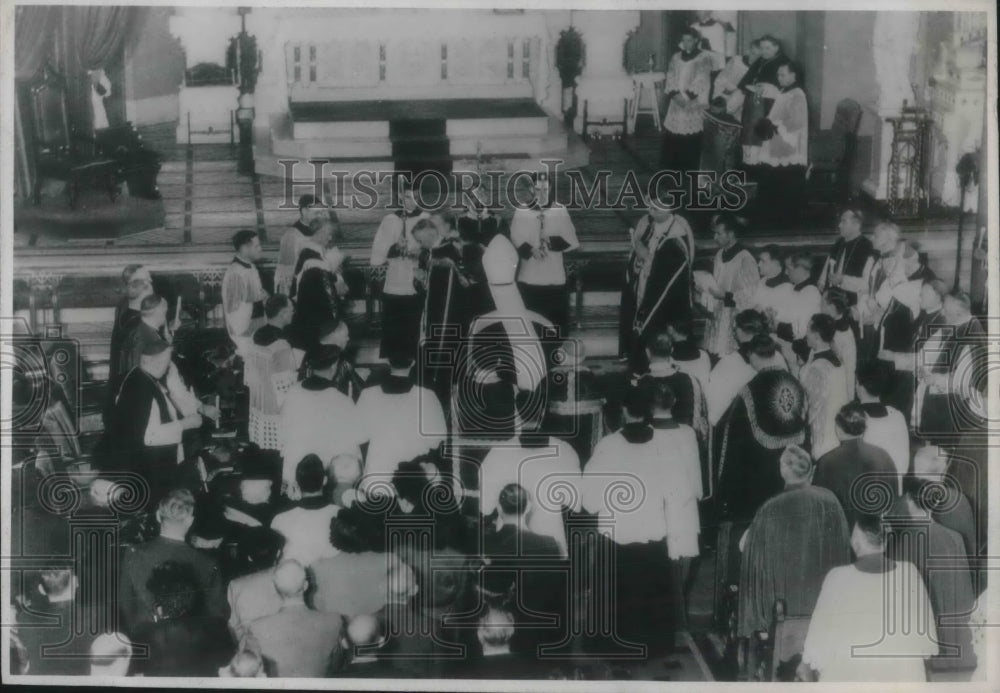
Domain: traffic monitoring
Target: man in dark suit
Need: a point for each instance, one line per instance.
(183, 639)
(55, 629)
(520, 573)
(298, 641)
(855, 462)
(135, 601)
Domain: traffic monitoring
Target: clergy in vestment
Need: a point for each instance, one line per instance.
(856, 471)
(399, 420)
(850, 262)
(137, 283)
(542, 232)
(887, 272)
(762, 73)
(733, 370)
(506, 361)
(658, 279)
(774, 292)
(854, 633)
(686, 353)
(823, 379)
(688, 487)
(845, 341)
(152, 327)
(904, 362)
(803, 303)
(736, 276)
(318, 288)
(478, 227)
(269, 372)
(242, 292)
(885, 425)
(688, 84)
(147, 425)
(768, 415)
(633, 458)
(288, 250)
(727, 82)
(942, 496)
(794, 540)
(784, 153)
(953, 363)
(395, 249)
(542, 465)
(317, 418)
(716, 37)
(918, 538)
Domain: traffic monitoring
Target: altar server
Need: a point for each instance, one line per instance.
(242, 292)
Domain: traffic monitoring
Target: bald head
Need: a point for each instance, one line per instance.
(290, 579)
(364, 629)
(930, 462)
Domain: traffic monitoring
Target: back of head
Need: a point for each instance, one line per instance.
(350, 529)
(290, 579)
(110, 649)
(752, 322)
(242, 238)
(662, 346)
(176, 508)
(823, 326)
(636, 403)
(175, 589)
(874, 376)
(663, 397)
(56, 581)
(796, 464)
(763, 347)
(838, 299)
(310, 475)
(871, 530)
(260, 548)
(399, 361)
(851, 420)
(365, 629)
(496, 628)
(513, 500)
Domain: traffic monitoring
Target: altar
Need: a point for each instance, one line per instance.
(382, 67)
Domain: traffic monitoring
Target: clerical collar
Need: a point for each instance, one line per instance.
(919, 274)
(731, 252)
(409, 215)
(533, 440)
(312, 502)
(536, 206)
(685, 56)
(828, 355)
(637, 432)
(316, 383)
(876, 410)
(843, 324)
(396, 384)
(785, 90)
(777, 280)
(267, 335)
(662, 369)
(665, 424)
(874, 563)
(685, 351)
(240, 261)
(304, 228)
(803, 284)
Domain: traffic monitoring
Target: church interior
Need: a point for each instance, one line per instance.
(151, 136)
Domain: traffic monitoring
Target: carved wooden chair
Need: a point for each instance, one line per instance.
(831, 155)
(61, 152)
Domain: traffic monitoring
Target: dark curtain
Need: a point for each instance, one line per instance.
(93, 37)
(34, 28)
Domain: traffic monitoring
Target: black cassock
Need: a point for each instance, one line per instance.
(317, 302)
(449, 301)
(666, 296)
(128, 452)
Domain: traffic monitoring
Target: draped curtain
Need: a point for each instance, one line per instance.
(73, 40)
